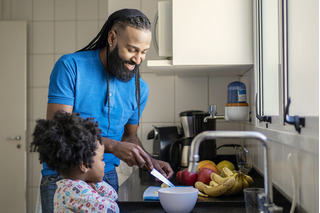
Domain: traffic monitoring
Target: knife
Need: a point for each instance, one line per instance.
(158, 175)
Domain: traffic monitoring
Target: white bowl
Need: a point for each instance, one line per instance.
(237, 113)
(178, 199)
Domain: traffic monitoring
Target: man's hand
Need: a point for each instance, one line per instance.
(163, 167)
(132, 154)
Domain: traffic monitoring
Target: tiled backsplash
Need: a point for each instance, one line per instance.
(56, 27)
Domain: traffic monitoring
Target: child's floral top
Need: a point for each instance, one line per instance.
(78, 196)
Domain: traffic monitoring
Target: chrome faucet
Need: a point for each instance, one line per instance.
(194, 154)
(213, 113)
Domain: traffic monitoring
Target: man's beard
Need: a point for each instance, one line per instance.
(117, 67)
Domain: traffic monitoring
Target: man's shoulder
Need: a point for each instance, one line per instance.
(143, 84)
(78, 59)
(79, 55)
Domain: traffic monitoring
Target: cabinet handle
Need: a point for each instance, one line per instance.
(297, 121)
(260, 117)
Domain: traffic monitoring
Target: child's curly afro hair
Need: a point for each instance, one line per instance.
(66, 141)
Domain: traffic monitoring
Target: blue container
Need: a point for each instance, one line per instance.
(237, 92)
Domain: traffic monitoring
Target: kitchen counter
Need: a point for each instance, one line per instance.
(131, 196)
(204, 207)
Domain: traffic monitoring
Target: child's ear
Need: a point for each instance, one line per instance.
(84, 168)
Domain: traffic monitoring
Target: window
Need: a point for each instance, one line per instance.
(287, 46)
(268, 50)
(270, 57)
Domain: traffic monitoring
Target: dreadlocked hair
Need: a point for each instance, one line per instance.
(101, 41)
(66, 141)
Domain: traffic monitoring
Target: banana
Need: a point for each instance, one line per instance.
(240, 185)
(217, 178)
(228, 183)
(202, 194)
(227, 172)
(244, 182)
(235, 188)
(200, 186)
(248, 179)
(216, 190)
(212, 183)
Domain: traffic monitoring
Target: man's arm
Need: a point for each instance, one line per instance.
(129, 150)
(130, 135)
(52, 108)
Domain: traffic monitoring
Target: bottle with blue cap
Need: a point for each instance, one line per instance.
(237, 107)
(237, 92)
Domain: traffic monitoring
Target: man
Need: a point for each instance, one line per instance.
(102, 80)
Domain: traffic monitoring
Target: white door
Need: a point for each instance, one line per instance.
(13, 90)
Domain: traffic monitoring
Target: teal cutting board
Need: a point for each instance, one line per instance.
(151, 193)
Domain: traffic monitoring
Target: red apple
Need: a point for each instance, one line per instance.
(188, 178)
(179, 177)
(204, 175)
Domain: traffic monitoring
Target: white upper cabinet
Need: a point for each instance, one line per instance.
(208, 36)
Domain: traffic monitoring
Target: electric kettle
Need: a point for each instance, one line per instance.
(179, 153)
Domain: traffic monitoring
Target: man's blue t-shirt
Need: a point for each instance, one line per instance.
(80, 80)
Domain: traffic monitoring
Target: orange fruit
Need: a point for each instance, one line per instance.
(205, 162)
(225, 163)
(209, 166)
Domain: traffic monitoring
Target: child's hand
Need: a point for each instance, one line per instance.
(92, 185)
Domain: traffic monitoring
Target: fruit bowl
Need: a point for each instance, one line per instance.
(178, 199)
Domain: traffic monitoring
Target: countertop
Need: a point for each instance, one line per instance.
(131, 196)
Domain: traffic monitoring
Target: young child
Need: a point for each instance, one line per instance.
(72, 146)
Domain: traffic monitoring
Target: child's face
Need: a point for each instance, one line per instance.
(96, 173)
